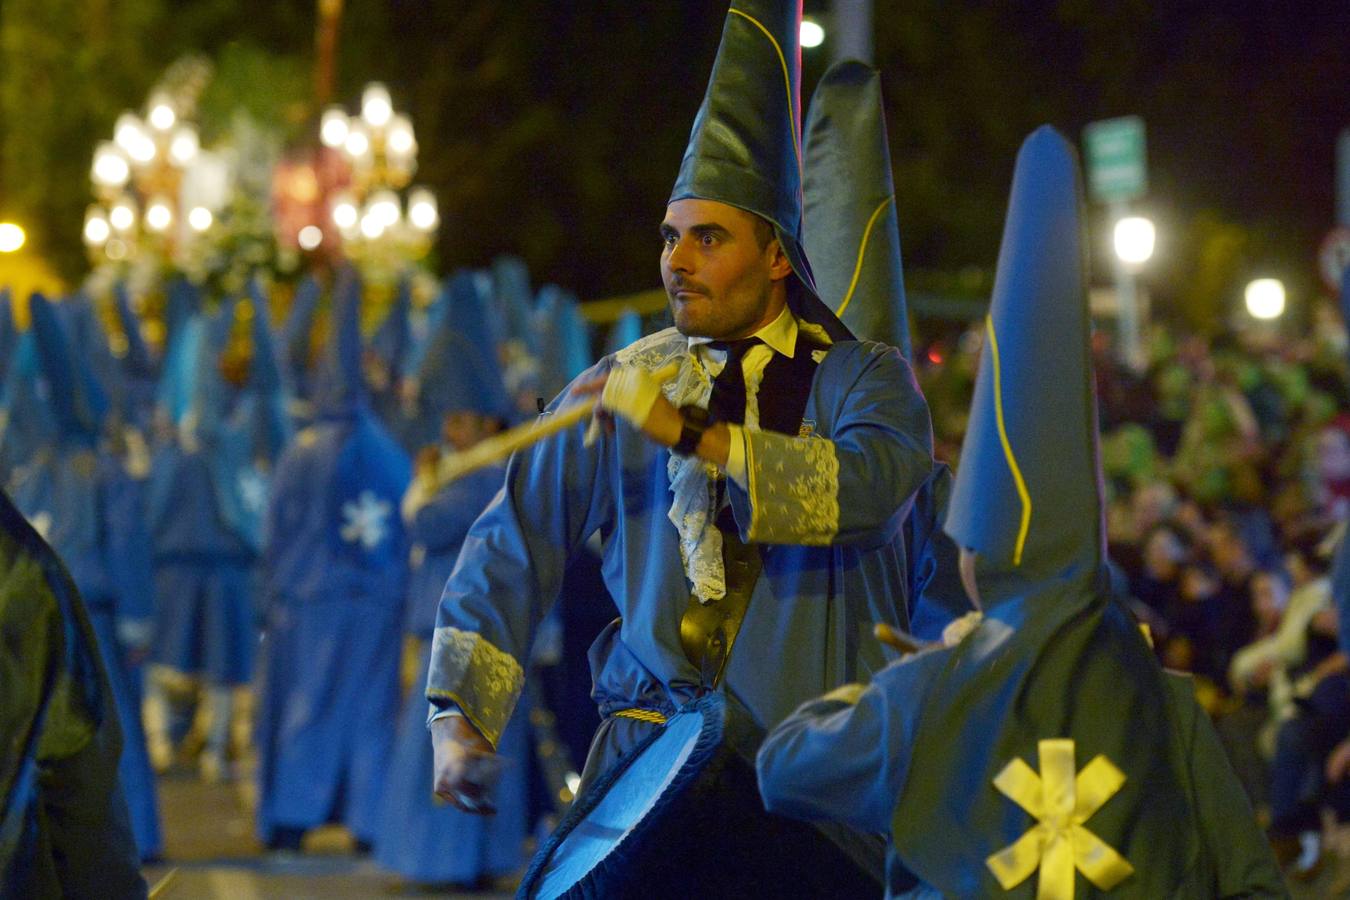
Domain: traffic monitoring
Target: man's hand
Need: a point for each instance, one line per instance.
(462, 758)
(1338, 763)
(635, 395)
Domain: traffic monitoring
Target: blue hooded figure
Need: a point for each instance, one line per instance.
(627, 329)
(334, 574)
(562, 338)
(92, 513)
(204, 512)
(852, 238)
(1039, 747)
(421, 839)
(138, 367)
(457, 368)
(293, 347)
(27, 422)
(64, 828)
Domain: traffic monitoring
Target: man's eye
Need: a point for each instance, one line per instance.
(668, 240)
(708, 240)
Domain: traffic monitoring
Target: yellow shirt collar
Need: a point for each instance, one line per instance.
(780, 335)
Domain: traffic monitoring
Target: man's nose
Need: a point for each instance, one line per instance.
(680, 258)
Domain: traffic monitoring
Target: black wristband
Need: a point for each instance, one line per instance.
(696, 422)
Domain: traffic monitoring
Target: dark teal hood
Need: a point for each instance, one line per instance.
(745, 147)
(1028, 491)
(850, 229)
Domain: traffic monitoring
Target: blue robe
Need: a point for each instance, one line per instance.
(424, 839)
(203, 572)
(92, 513)
(334, 580)
(826, 506)
(64, 828)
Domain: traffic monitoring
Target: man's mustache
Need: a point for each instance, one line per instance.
(678, 284)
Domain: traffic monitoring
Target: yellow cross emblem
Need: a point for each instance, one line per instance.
(1061, 803)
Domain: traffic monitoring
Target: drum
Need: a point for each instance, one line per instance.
(680, 816)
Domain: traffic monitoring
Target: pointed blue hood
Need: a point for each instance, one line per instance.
(340, 386)
(850, 228)
(562, 336)
(512, 299)
(391, 340)
(625, 330)
(1028, 491)
(79, 403)
(459, 370)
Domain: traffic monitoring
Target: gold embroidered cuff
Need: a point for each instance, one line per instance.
(483, 681)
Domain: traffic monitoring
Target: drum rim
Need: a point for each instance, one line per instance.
(712, 708)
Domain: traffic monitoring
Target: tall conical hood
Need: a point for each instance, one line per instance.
(745, 147)
(139, 361)
(459, 369)
(850, 228)
(562, 336)
(77, 399)
(626, 330)
(295, 335)
(341, 385)
(513, 298)
(9, 332)
(182, 364)
(184, 302)
(1028, 492)
(390, 341)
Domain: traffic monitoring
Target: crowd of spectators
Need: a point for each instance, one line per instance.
(1227, 478)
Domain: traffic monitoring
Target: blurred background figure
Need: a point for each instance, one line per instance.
(92, 511)
(334, 580)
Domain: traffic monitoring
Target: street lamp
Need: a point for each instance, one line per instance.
(1134, 238)
(812, 34)
(11, 237)
(1265, 298)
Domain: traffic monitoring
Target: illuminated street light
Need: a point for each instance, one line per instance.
(333, 127)
(11, 237)
(1134, 240)
(200, 219)
(376, 105)
(422, 212)
(812, 34)
(310, 237)
(384, 206)
(344, 213)
(158, 215)
(96, 228)
(1265, 298)
(110, 169)
(185, 146)
(372, 225)
(122, 216)
(357, 144)
(161, 115)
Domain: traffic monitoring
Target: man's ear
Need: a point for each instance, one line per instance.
(779, 265)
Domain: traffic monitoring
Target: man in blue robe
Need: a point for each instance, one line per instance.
(204, 553)
(334, 576)
(423, 839)
(1040, 747)
(747, 506)
(92, 513)
(64, 828)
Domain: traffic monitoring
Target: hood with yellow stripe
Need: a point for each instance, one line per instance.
(851, 232)
(745, 148)
(1028, 490)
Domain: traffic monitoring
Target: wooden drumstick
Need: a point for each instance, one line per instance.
(894, 637)
(500, 446)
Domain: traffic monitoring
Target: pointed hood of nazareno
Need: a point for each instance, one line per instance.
(745, 147)
(1028, 490)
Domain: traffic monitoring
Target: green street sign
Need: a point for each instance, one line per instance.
(1115, 159)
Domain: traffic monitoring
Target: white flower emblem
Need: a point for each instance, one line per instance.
(252, 490)
(366, 520)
